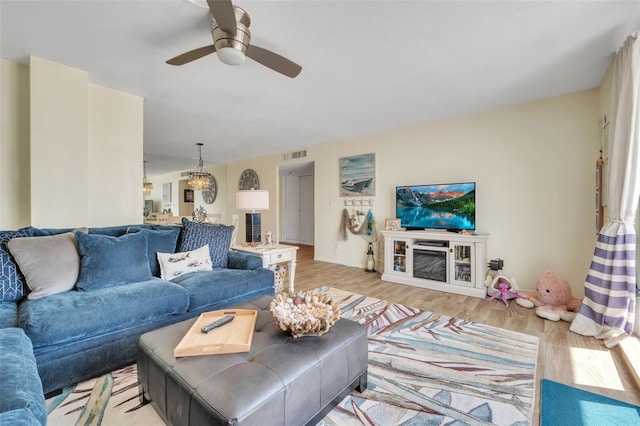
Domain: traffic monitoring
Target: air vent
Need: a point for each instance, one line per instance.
(184, 174)
(295, 155)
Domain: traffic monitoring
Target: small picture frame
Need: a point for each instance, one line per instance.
(188, 196)
(392, 224)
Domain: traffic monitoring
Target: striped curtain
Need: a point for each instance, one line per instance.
(608, 308)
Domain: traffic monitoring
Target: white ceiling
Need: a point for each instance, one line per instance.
(368, 66)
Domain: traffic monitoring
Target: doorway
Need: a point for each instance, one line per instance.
(296, 203)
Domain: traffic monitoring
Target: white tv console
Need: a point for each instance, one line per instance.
(437, 260)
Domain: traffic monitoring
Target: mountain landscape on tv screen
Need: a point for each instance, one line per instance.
(445, 199)
(436, 206)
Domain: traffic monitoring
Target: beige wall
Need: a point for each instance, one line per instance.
(115, 134)
(15, 203)
(83, 147)
(534, 165)
(59, 149)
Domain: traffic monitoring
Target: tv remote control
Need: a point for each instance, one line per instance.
(217, 323)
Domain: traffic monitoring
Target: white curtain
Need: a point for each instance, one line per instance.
(607, 311)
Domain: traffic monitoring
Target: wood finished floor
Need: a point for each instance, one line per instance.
(563, 356)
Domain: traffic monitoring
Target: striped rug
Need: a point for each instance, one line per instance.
(424, 369)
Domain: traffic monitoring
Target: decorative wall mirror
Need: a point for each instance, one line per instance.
(248, 180)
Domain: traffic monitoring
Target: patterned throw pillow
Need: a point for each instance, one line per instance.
(173, 265)
(218, 237)
(12, 282)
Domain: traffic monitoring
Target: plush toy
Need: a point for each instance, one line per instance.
(504, 293)
(553, 300)
(502, 287)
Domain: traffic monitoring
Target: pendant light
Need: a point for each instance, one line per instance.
(198, 177)
(147, 186)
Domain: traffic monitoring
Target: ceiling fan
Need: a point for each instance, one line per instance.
(231, 41)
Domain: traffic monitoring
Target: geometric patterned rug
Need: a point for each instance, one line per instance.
(424, 369)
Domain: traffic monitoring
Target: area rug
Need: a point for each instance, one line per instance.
(562, 405)
(424, 369)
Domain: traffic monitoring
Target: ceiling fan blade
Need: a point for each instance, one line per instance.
(274, 61)
(223, 14)
(192, 55)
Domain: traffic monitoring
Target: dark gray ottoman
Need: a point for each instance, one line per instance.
(280, 381)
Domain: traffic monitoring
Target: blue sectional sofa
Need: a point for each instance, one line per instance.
(86, 324)
(24, 402)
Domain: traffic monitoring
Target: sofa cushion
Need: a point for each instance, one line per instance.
(207, 288)
(50, 264)
(173, 265)
(218, 237)
(241, 260)
(75, 315)
(162, 239)
(8, 314)
(22, 394)
(12, 285)
(111, 261)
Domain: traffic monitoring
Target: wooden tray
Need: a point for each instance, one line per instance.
(231, 338)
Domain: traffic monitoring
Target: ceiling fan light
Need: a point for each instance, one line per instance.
(230, 56)
(200, 3)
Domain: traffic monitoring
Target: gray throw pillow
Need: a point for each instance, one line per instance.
(49, 264)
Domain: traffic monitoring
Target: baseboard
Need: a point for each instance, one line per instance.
(320, 259)
(295, 242)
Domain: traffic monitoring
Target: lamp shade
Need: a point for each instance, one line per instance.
(230, 56)
(254, 199)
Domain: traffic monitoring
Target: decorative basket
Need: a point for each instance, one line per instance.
(279, 272)
(304, 314)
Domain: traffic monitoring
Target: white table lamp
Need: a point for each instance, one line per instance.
(253, 200)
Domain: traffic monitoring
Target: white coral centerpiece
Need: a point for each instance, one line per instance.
(304, 314)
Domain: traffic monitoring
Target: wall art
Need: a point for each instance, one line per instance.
(358, 176)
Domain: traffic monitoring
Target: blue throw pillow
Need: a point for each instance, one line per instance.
(195, 235)
(46, 232)
(114, 231)
(111, 261)
(160, 240)
(12, 282)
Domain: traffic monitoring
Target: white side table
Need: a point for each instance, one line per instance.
(274, 254)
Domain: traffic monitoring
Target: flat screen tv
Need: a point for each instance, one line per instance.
(448, 206)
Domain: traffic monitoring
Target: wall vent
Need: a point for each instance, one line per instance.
(294, 155)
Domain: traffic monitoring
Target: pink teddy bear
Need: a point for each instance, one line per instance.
(554, 300)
